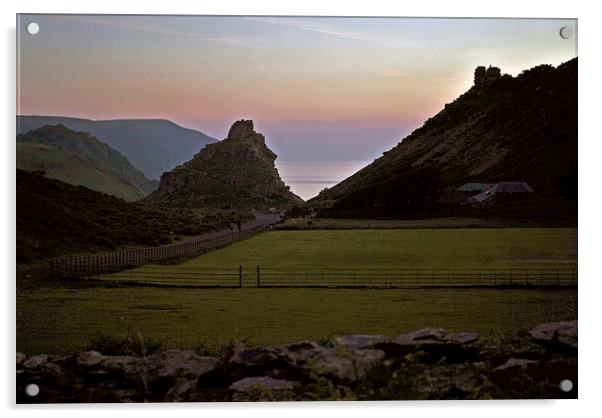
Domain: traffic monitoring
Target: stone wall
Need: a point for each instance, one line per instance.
(430, 363)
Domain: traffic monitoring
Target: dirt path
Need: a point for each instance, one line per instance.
(261, 220)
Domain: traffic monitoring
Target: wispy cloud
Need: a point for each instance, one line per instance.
(329, 29)
(141, 24)
(137, 25)
(312, 25)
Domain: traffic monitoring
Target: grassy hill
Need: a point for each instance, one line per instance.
(153, 146)
(55, 218)
(503, 128)
(78, 158)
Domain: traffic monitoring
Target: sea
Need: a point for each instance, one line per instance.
(308, 178)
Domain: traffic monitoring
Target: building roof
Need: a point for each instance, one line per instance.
(475, 187)
(501, 187)
(480, 197)
(513, 187)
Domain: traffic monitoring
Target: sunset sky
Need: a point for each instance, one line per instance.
(318, 88)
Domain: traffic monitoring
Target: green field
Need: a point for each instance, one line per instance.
(450, 222)
(503, 248)
(62, 317)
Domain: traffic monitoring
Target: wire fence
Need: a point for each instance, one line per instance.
(94, 264)
(149, 275)
(343, 278)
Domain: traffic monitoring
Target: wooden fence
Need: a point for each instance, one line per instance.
(94, 264)
(259, 277)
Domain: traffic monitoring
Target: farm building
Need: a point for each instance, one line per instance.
(513, 187)
(484, 191)
(475, 187)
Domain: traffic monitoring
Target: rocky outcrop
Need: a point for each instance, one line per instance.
(430, 363)
(237, 172)
(484, 76)
(241, 129)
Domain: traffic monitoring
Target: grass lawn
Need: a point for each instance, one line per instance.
(503, 248)
(326, 223)
(62, 319)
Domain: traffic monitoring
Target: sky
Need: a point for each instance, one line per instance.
(319, 89)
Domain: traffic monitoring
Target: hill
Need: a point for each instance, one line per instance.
(503, 128)
(55, 218)
(80, 159)
(237, 172)
(153, 146)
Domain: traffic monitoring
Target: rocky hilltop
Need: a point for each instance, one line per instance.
(504, 128)
(430, 363)
(237, 172)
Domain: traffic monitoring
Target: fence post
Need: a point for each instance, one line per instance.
(240, 276)
(258, 280)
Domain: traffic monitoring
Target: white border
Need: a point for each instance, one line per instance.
(590, 154)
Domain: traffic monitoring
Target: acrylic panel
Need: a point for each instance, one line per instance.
(261, 208)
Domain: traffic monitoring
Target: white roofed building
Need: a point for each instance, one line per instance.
(484, 191)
